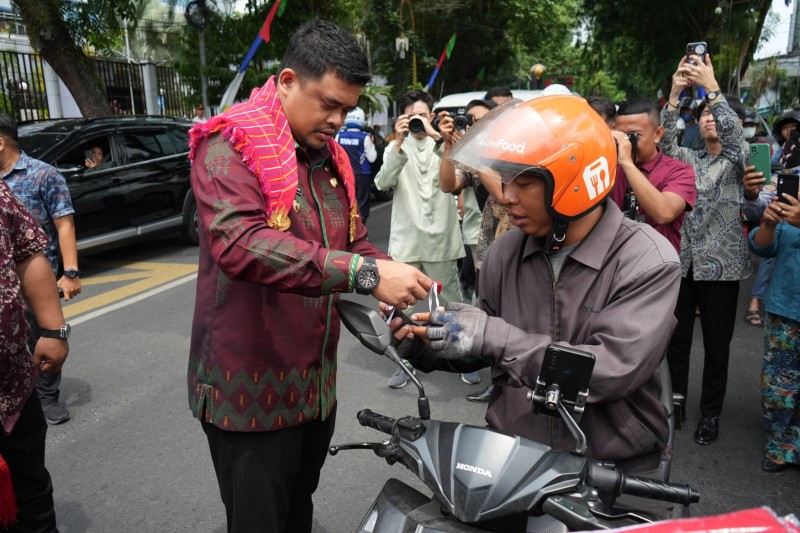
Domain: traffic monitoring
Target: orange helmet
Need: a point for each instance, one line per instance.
(558, 138)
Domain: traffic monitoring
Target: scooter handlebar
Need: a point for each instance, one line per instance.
(376, 421)
(659, 490)
(616, 482)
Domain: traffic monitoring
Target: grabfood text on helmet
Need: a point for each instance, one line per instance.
(597, 177)
(506, 146)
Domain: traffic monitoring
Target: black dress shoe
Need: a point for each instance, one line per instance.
(768, 465)
(707, 431)
(483, 396)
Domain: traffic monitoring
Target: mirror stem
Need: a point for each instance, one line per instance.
(422, 402)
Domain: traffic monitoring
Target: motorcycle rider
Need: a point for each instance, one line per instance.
(575, 272)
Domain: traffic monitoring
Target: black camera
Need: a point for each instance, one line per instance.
(415, 125)
(634, 140)
(460, 122)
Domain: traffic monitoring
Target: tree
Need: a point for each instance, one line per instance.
(641, 48)
(52, 37)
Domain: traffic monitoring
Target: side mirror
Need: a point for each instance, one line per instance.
(366, 325)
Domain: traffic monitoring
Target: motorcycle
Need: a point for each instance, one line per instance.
(484, 480)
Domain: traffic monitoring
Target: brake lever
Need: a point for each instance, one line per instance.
(385, 449)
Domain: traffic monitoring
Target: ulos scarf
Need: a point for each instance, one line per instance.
(258, 129)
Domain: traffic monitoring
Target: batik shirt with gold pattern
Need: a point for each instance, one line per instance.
(265, 331)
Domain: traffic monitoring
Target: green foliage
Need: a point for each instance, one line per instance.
(373, 97)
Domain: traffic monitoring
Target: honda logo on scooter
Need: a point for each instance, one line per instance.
(473, 469)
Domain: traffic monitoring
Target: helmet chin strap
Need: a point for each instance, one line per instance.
(556, 237)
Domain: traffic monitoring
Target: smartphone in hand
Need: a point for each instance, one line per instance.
(698, 49)
(788, 184)
(759, 157)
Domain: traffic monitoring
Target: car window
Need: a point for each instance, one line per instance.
(181, 138)
(78, 154)
(147, 144)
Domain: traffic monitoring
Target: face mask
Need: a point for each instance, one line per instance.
(749, 132)
(688, 117)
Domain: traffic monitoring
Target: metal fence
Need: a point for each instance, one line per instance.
(23, 94)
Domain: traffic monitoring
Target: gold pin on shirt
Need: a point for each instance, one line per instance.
(296, 206)
(334, 182)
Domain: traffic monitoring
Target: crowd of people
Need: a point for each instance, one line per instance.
(597, 213)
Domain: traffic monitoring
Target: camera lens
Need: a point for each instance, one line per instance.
(415, 125)
(462, 122)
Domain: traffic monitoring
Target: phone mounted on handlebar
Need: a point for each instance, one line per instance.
(564, 378)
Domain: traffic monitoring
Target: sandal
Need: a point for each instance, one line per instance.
(753, 317)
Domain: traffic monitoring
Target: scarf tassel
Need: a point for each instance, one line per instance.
(8, 503)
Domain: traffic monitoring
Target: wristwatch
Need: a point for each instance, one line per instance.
(367, 277)
(72, 273)
(61, 333)
(712, 96)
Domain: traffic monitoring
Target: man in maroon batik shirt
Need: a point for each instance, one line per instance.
(280, 237)
(664, 188)
(25, 276)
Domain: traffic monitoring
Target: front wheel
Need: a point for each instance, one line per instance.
(189, 230)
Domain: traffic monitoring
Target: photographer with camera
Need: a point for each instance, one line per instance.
(424, 229)
(650, 186)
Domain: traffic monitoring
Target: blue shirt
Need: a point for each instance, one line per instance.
(44, 193)
(781, 297)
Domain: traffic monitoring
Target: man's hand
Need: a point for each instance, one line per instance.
(400, 130)
(448, 129)
(753, 182)
(400, 285)
(702, 74)
(455, 332)
(624, 148)
(788, 213)
(680, 81)
(70, 286)
(50, 354)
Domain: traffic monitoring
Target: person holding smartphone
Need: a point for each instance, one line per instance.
(713, 254)
(778, 236)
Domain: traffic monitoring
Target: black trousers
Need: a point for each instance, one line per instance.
(363, 191)
(23, 450)
(266, 478)
(717, 301)
(47, 384)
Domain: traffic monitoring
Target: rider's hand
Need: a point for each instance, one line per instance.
(455, 331)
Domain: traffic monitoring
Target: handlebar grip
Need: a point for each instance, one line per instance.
(659, 490)
(376, 421)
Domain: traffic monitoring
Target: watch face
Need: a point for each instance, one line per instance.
(367, 278)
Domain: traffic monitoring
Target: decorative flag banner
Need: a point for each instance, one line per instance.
(263, 37)
(445, 55)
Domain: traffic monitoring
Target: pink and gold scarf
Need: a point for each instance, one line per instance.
(258, 129)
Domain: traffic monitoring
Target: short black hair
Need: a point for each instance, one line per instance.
(733, 101)
(498, 91)
(414, 95)
(8, 127)
(318, 47)
(639, 106)
(488, 104)
(603, 106)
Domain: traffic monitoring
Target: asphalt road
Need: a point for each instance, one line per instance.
(132, 458)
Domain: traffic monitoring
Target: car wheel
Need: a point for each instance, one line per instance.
(189, 231)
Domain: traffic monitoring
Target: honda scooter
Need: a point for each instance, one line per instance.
(484, 480)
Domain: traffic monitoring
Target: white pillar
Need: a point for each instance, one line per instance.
(150, 83)
(53, 88)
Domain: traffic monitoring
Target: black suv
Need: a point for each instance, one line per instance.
(139, 185)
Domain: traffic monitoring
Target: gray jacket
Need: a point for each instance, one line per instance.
(615, 298)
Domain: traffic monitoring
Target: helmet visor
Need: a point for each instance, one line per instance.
(510, 139)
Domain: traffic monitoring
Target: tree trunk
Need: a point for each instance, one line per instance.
(763, 8)
(51, 38)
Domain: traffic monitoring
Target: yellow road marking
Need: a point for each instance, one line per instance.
(150, 275)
